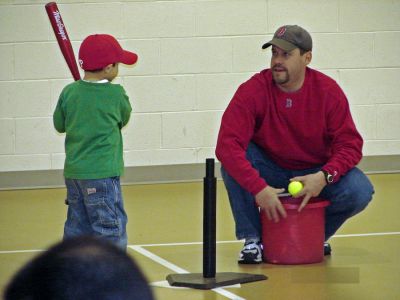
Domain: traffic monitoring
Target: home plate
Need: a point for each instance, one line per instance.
(165, 284)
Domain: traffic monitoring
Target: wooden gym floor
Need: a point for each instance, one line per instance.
(165, 234)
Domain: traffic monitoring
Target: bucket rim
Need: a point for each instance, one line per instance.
(317, 204)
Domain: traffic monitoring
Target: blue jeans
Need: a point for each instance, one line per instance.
(95, 207)
(349, 196)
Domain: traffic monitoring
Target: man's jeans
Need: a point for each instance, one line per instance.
(95, 207)
(349, 196)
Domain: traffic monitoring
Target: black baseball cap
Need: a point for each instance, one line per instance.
(290, 37)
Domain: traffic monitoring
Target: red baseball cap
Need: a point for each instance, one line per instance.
(99, 50)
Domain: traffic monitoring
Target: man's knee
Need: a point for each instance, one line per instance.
(362, 191)
(361, 200)
(351, 194)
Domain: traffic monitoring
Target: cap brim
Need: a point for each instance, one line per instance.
(284, 45)
(129, 58)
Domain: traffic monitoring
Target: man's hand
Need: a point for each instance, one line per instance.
(268, 200)
(312, 186)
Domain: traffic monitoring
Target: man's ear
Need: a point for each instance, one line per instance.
(308, 57)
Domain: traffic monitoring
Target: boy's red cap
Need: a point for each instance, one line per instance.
(99, 50)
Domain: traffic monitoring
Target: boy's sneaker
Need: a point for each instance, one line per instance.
(251, 253)
(327, 249)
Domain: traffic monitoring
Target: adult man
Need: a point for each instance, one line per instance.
(80, 268)
(289, 122)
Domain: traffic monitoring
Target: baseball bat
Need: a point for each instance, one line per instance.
(62, 38)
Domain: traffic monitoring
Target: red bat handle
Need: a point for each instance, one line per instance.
(62, 38)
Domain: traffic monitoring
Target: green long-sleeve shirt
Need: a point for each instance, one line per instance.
(92, 115)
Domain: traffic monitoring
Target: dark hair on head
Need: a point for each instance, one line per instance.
(302, 51)
(83, 268)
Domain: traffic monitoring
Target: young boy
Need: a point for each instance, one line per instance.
(92, 112)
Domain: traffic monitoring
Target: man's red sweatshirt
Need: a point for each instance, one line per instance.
(308, 128)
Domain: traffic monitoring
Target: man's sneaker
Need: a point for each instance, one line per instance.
(251, 253)
(327, 249)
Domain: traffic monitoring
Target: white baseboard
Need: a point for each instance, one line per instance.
(164, 174)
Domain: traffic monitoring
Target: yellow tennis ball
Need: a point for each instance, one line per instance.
(295, 187)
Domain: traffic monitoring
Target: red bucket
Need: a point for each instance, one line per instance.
(298, 239)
